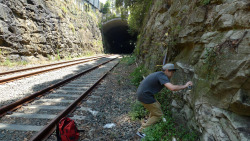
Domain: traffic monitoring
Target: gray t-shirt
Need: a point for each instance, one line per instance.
(151, 85)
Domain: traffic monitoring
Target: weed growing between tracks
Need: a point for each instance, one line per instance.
(164, 130)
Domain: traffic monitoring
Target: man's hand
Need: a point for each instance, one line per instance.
(189, 83)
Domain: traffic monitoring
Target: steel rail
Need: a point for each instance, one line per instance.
(45, 132)
(42, 71)
(42, 66)
(13, 106)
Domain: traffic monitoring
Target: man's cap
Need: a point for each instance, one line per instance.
(169, 67)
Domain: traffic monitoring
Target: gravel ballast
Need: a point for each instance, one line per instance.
(109, 104)
(116, 96)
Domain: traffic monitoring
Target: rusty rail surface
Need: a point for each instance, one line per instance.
(46, 70)
(45, 132)
(19, 103)
(42, 66)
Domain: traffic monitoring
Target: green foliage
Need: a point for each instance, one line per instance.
(124, 13)
(137, 47)
(205, 2)
(9, 63)
(137, 14)
(49, 56)
(72, 27)
(4, 52)
(210, 61)
(88, 53)
(93, 15)
(64, 9)
(185, 135)
(60, 15)
(129, 60)
(106, 7)
(68, 58)
(23, 63)
(165, 97)
(97, 43)
(210, 57)
(138, 11)
(137, 51)
(111, 16)
(175, 29)
(58, 56)
(137, 75)
(166, 130)
(161, 131)
(100, 25)
(138, 111)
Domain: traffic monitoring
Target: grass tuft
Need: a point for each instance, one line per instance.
(129, 60)
(138, 111)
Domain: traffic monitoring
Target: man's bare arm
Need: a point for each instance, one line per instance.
(172, 87)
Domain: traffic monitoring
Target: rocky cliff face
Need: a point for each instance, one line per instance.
(209, 41)
(32, 29)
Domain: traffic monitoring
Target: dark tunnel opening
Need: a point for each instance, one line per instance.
(117, 39)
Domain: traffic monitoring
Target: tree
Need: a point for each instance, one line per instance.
(106, 7)
(135, 11)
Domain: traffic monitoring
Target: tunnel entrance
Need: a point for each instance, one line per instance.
(117, 40)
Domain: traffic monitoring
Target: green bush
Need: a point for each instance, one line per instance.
(186, 135)
(137, 75)
(165, 97)
(7, 62)
(164, 130)
(129, 60)
(138, 111)
(138, 11)
(106, 7)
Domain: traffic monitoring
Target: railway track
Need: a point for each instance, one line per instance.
(53, 64)
(18, 74)
(38, 114)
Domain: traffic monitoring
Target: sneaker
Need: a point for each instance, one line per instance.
(140, 134)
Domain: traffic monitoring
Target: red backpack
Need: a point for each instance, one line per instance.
(66, 130)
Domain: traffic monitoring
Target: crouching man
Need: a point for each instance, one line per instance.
(151, 85)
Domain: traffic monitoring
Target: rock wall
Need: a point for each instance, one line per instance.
(209, 41)
(34, 29)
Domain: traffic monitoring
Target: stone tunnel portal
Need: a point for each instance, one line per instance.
(117, 40)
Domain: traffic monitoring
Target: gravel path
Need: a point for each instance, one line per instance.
(116, 96)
